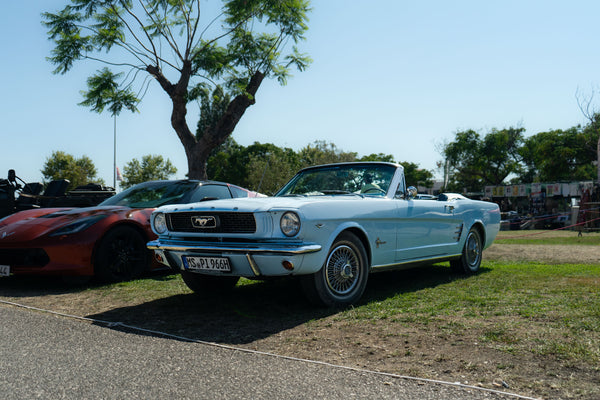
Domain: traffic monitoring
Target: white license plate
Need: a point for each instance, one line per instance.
(206, 263)
(4, 270)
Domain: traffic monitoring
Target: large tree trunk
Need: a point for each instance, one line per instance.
(214, 136)
(198, 151)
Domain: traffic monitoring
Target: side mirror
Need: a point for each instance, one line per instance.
(411, 192)
(12, 177)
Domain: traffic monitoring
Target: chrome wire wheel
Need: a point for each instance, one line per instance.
(342, 270)
(470, 259)
(473, 251)
(343, 278)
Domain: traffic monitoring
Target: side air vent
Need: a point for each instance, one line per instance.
(458, 232)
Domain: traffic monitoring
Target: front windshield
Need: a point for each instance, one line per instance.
(365, 179)
(151, 194)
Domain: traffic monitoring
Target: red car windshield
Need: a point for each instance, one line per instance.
(152, 194)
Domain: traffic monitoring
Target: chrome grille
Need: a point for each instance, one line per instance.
(218, 222)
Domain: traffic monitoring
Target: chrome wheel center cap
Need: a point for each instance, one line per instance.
(346, 271)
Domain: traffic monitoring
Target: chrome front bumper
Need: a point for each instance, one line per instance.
(271, 248)
(247, 259)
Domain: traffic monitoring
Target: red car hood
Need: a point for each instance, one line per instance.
(30, 224)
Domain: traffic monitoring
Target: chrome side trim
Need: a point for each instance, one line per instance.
(213, 247)
(385, 267)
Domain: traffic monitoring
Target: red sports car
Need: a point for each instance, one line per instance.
(107, 241)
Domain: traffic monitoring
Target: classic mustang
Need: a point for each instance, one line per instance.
(108, 240)
(331, 225)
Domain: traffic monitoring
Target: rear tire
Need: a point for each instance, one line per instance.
(343, 278)
(470, 260)
(209, 284)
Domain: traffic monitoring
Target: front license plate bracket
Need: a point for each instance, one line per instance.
(197, 263)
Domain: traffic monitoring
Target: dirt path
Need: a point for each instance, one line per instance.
(548, 254)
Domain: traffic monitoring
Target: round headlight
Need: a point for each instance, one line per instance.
(160, 223)
(290, 223)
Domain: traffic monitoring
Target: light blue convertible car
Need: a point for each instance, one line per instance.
(331, 225)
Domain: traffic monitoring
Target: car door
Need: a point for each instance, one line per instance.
(426, 229)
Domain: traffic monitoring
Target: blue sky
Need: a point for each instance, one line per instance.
(393, 77)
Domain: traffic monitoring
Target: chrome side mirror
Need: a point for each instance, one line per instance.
(411, 192)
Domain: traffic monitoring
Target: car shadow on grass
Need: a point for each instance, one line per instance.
(245, 314)
(34, 286)
(384, 285)
(255, 311)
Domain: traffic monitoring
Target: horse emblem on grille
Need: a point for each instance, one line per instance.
(204, 222)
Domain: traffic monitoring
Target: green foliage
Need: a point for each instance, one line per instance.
(416, 176)
(79, 171)
(104, 92)
(321, 152)
(260, 167)
(473, 162)
(561, 155)
(213, 107)
(268, 173)
(151, 168)
(266, 167)
(378, 157)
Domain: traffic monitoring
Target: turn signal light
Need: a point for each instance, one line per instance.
(288, 265)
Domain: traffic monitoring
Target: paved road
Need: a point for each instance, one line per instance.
(51, 357)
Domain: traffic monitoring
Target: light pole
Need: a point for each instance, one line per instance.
(115, 154)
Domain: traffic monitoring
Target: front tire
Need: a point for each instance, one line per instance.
(470, 260)
(121, 255)
(208, 284)
(343, 278)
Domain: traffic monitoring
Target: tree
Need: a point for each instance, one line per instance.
(260, 167)
(321, 152)
(416, 176)
(151, 168)
(560, 155)
(266, 167)
(79, 171)
(413, 175)
(169, 41)
(378, 157)
(474, 162)
(268, 173)
(587, 108)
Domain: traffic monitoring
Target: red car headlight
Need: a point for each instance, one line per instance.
(78, 225)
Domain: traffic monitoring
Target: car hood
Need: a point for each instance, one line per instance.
(263, 204)
(30, 224)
